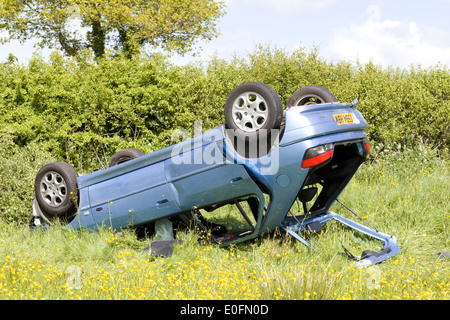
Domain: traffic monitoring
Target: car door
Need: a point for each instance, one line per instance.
(132, 198)
(202, 180)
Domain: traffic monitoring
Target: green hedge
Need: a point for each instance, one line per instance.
(82, 112)
(18, 168)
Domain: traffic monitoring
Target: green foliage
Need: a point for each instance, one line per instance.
(173, 25)
(83, 111)
(18, 168)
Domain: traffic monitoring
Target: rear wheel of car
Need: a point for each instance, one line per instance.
(56, 190)
(124, 156)
(253, 115)
(309, 95)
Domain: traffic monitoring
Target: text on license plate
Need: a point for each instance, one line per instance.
(343, 118)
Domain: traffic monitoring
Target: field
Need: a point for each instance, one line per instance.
(405, 194)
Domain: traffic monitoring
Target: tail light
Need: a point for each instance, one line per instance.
(317, 155)
(367, 145)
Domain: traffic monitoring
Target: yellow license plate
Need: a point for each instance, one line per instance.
(343, 118)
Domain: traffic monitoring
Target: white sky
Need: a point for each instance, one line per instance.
(388, 32)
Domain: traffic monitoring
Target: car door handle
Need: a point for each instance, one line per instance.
(236, 181)
(162, 203)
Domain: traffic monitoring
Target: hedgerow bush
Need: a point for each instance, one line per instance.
(82, 111)
(18, 168)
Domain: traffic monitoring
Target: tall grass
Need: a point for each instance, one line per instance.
(404, 194)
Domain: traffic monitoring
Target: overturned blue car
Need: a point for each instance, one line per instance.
(261, 162)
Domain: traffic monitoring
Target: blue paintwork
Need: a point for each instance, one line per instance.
(156, 185)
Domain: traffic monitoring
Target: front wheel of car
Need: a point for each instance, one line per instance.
(125, 155)
(56, 190)
(253, 115)
(310, 95)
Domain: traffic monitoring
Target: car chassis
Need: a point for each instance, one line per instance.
(320, 145)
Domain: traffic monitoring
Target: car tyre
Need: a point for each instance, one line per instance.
(252, 111)
(310, 95)
(124, 156)
(56, 190)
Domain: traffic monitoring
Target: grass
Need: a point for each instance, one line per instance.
(403, 194)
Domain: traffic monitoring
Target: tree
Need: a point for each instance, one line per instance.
(124, 25)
